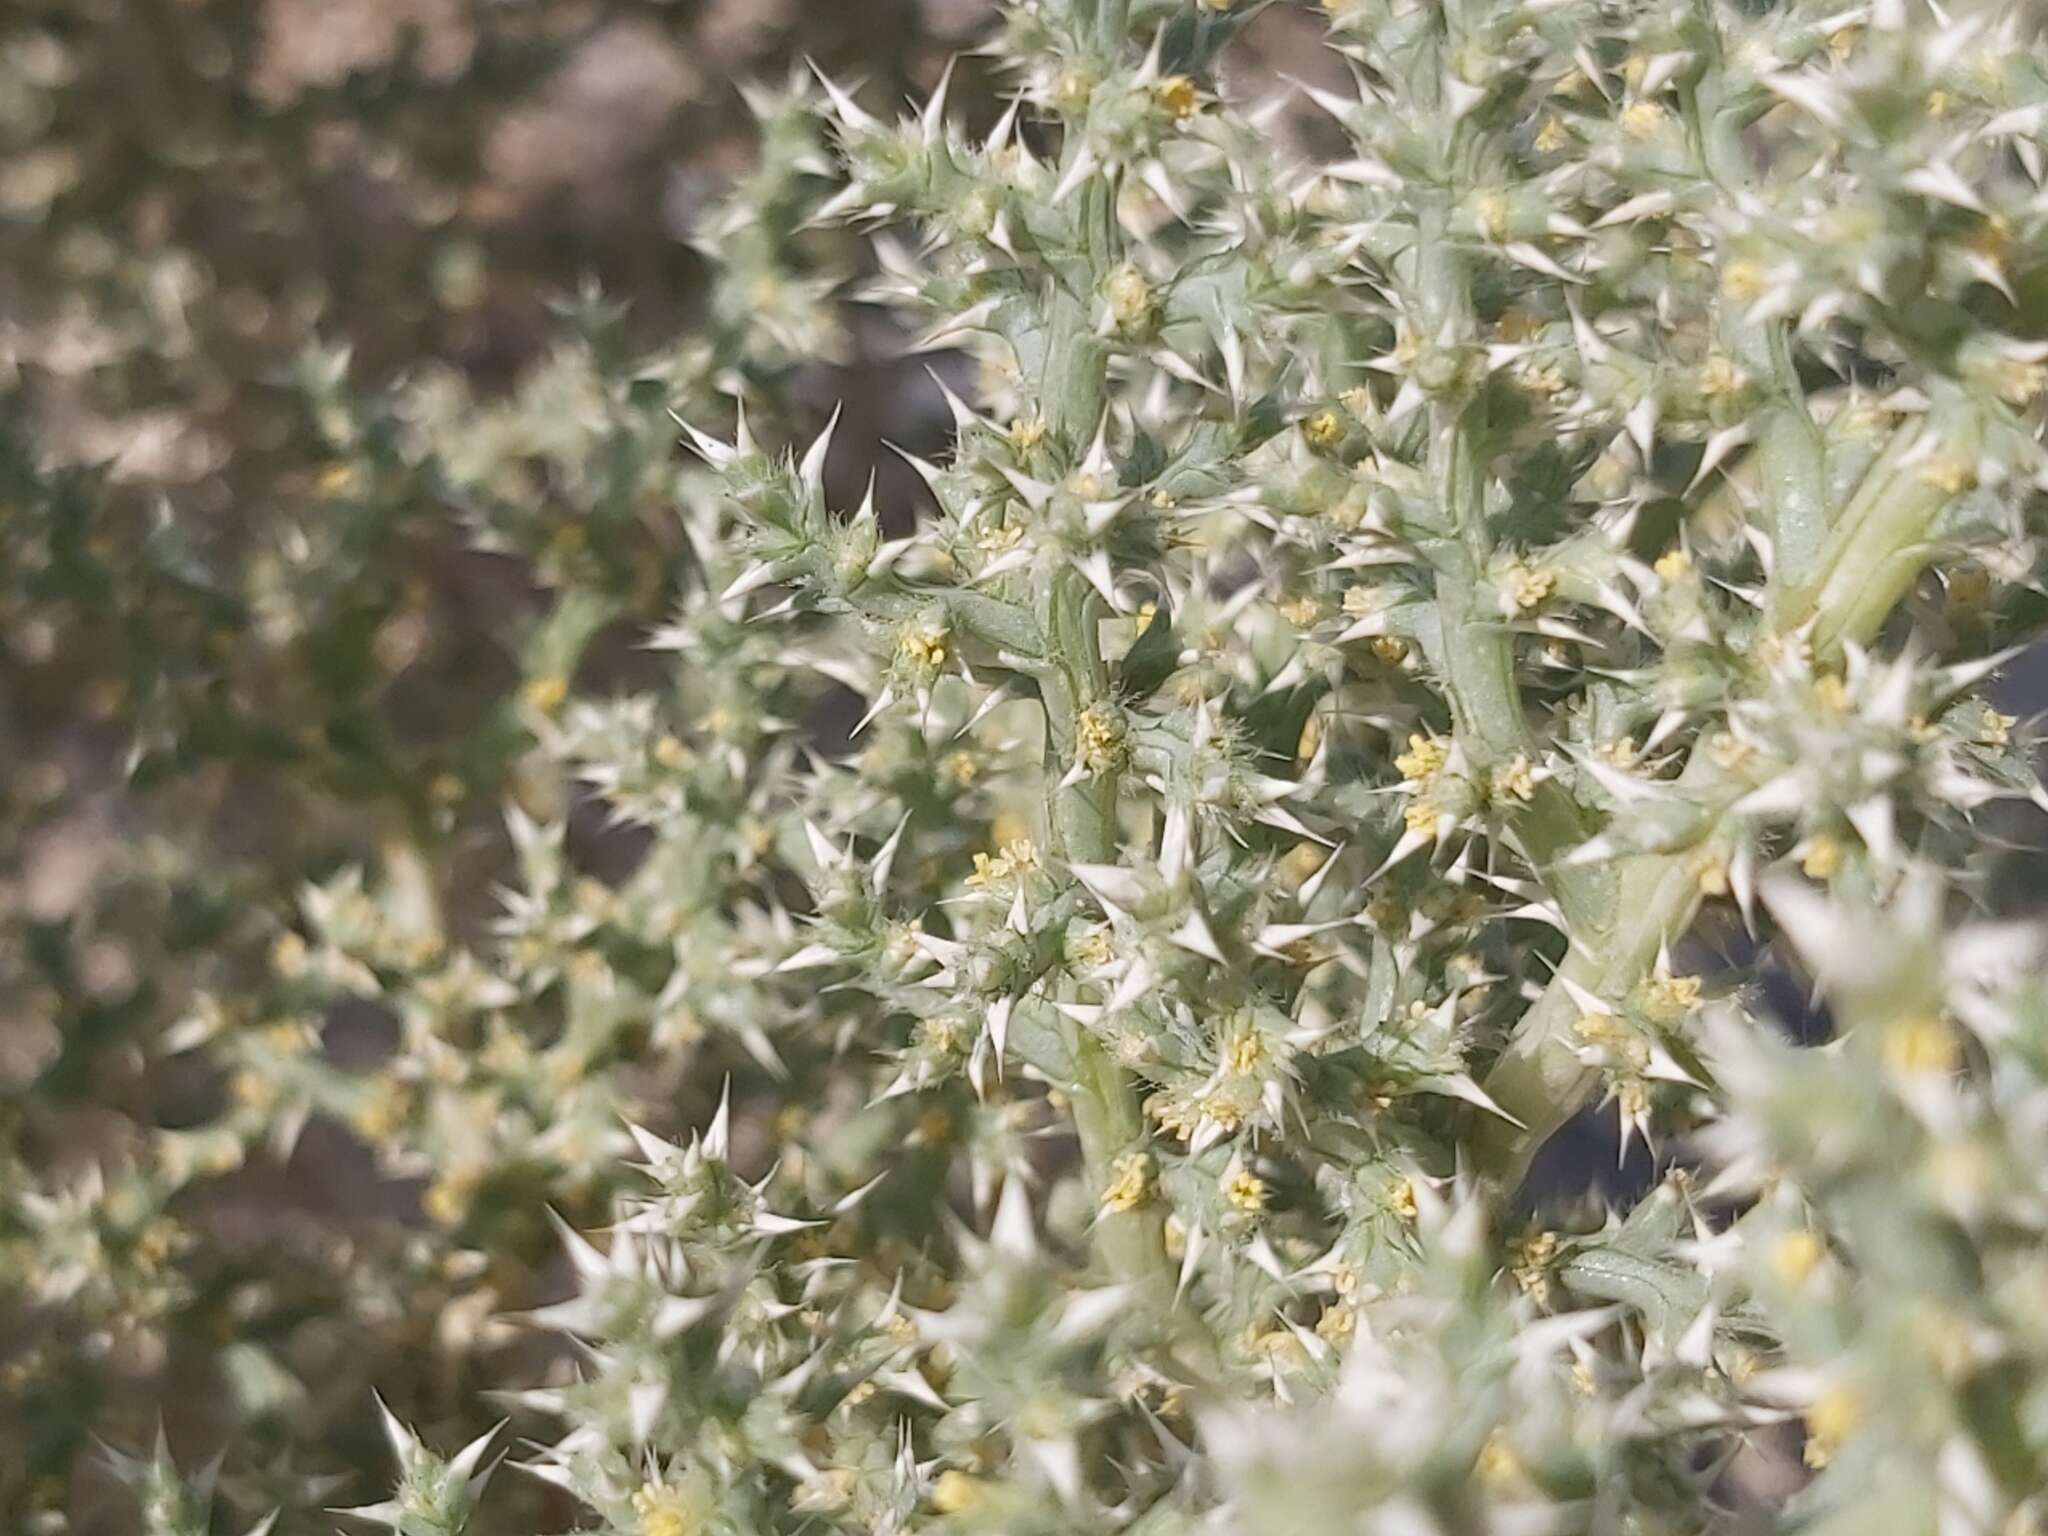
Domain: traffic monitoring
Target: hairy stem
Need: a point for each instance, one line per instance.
(1082, 814)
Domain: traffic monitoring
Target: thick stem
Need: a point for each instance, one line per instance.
(1539, 1079)
(1131, 1244)
(1107, 1116)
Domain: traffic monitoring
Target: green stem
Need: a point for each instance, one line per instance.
(1073, 383)
(1112, 26)
(1107, 1116)
(1539, 1079)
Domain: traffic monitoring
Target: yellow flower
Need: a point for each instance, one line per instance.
(1622, 752)
(383, 1110)
(252, 1089)
(1027, 432)
(662, 1511)
(1744, 280)
(288, 955)
(1673, 564)
(860, 1392)
(961, 768)
(1795, 1256)
(1094, 948)
(1498, 1466)
(1176, 93)
(1071, 90)
(1098, 741)
(1720, 377)
(544, 695)
(1632, 1099)
(1920, 1044)
(1422, 817)
(1301, 612)
(1490, 214)
(447, 1199)
(1831, 693)
(1175, 1116)
(1822, 859)
(1337, 1323)
(1709, 873)
(1530, 1261)
(1643, 119)
(1424, 757)
(1608, 476)
(1597, 1028)
(1996, 730)
(1391, 649)
(1324, 429)
(956, 1492)
(1130, 1183)
(1243, 1053)
(1130, 296)
(1729, 750)
(1401, 1200)
(1675, 993)
(1527, 588)
(1515, 780)
(1551, 137)
(1222, 1109)
(1244, 1190)
(923, 647)
(1834, 1417)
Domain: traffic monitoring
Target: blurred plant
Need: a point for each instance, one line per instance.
(1375, 618)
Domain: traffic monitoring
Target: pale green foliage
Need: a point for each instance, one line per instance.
(1375, 616)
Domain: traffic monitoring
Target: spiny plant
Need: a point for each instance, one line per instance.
(1402, 649)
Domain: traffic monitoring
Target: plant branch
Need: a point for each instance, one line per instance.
(1876, 549)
